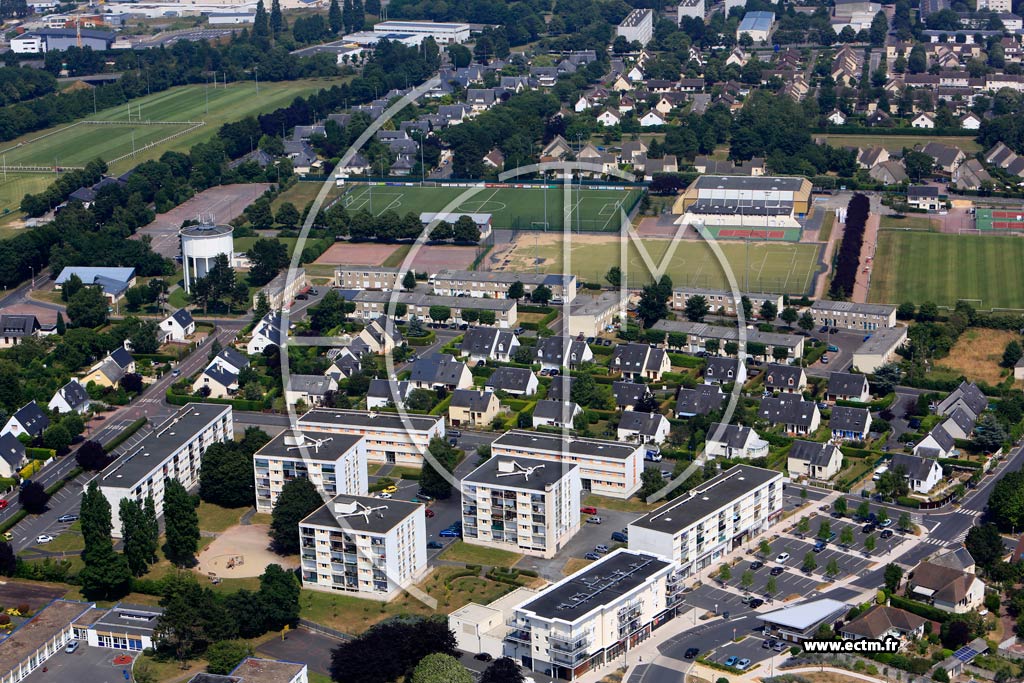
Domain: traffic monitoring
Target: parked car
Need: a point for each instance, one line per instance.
(832, 348)
(593, 520)
(755, 603)
(779, 646)
(777, 570)
(819, 546)
(8, 536)
(745, 600)
(743, 664)
(755, 565)
(732, 661)
(483, 657)
(301, 297)
(691, 653)
(782, 558)
(3, 504)
(868, 528)
(620, 537)
(607, 342)
(588, 510)
(518, 330)
(434, 545)
(71, 647)
(389, 489)
(384, 496)
(824, 360)
(592, 556)
(67, 519)
(886, 533)
(885, 524)
(428, 512)
(601, 549)
(767, 644)
(423, 495)
(449, 533)
(44, 538)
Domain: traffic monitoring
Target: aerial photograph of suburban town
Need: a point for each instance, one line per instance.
(512, 341)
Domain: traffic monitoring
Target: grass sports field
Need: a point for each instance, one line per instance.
(760, 266)
(896, 143)
(512, 208)
(74, 145)
(929, 266)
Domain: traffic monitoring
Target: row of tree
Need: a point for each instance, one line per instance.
(847, 261)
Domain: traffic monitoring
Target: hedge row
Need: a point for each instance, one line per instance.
(919, 608)
(956, 462)
(39, 453)
(908, 502)
(684, 360)
(236, 403)
(425, 340)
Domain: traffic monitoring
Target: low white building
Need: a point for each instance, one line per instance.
(800, 622)
(442, 33)
(482, 628)
(521, 504)
(367, 547)
(818, 461)
(334, 463)
(590, 618)
(922, 473)
(266, 333)
(734, 441)
(390, 438)
(643, 427)
(177, 327)
(549, 413)
(698, 528)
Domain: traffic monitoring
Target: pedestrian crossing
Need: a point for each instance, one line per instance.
(935, 541)
(969, 513)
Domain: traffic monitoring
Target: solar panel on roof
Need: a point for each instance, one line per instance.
(966, 653)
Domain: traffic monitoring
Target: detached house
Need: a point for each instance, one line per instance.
(383, 393)
(945, 588)
(15, 328)
(701, 400)
(378, 338)
(967, 397)
(554, 353)
(881, 622)
(609, 118)
(309, 389)
(785, 378)
(70, 398)
(734, 441)
(29, 419)
(938, 443)
(636, 361)
(555, 414)
(440, 370)
(109, 371)
(266, 333)
(721, 370)
(515, 381)
(472, 408)
(921, 473)
(849, 424)
(12, 455)
(643, 427)
(847, 386)
(488, 344)
(628, 394)
(818, 461)
(795, 415)
(177, 326)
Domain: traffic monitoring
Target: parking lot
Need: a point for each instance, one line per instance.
(589, 536)
(93, 664)
(301, 645)
(751, 647)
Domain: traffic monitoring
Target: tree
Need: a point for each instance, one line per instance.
(390, 650)
(824, 530)
(764, 547)
(724, 572)
(440, 668)
(61, 327)
(840, 506)
(8, 560)
(1006, 503)
(879, 29)
(989, 434)
(276, 26)
(105, 575)
(646, 404)
(870, 543)
(57, 438)
(696, 308)
(906, 311)
(904, 522)
(503, 670)
(653, 305)
(772, 586)
(846, 536)
(747, 580)
(439, 314)
(863, 510)
(886, 378)
(435, 483)
(33, 497)
(893, 576)
(810, 563)
(409, 280)
(789, 316)
(651, 482)
(222, 657)
(261, 23)
(138, 550)
(882, 517)
(748, 307)
(279, 598)
(832, 568)
(297, 500)
(769, 311)
(73, 285)
(268, 257)
(955, 634)
(804, 525)
(541, 295)
(262, 307)
(88, 308)
(181, 525)
(334, 17)
(226, 476)
(614, 276)
(985, 545)
(516, 290)
(1012, 354)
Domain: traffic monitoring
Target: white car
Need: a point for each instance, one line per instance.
(44, 538)
(385, 496)
(782, 558)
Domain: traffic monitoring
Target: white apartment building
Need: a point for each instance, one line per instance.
(335, 463)
(174, 450)
(495, 284)
(637, 26)
(701, 526)
(607, 468)
(722, 299)
(442, 33)
(368, 277)
(362, 545)
(390, 438)
(370, 305)
(524, 505)
(588, 619)
(690, 8)
(849, 315)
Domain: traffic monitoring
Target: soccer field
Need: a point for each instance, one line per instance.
(927, 266)
(74, 145)
(510, 208)
(782, 267)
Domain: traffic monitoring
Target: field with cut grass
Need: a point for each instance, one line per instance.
(977, 354)
(74, 145)
(910, 221)
(896, 143)
(927, 266)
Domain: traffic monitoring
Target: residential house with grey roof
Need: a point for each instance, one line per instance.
(945, 588)
(641, 427)
(849, 424)
(818, 461)
(15, 328)
(12, 455)
(966, 396)
(786, 379)
(309, 389)
(559, 414)
(938, 443)
(734, 441)
(70, 398)
(384, 392)
(438, 370)
(177, 327)
(488, 344)
(515, 381)
(721, 370)
(29, 419)
(790, 412)
(639, 361)
(847, 386)
(554, 353)
(473, 408)
(628, 394)
(701, 400)
(922, 473)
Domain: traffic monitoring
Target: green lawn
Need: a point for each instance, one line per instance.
(617, 504)
(243, 243)
(911, 221)
(758, 266)
(593, 210)
(460, 551)
(826, 226)
(896, 143)
(302, 193)
(216, 518)
(919, 266)
(75, 145)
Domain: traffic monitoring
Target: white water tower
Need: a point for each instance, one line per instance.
(201, 245)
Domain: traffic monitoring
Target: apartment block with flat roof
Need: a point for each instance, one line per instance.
(704, 524)
(720, 299)
(334, 463)
(638, 26)
(589, 619)
(495, 284)
(524, 505)
(173, 450)
(390, 438)
(368, 277)
(849, 315)
(607, 468)
(362, 545)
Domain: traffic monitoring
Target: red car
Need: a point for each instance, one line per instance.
(428, 512)
(588, 510)
(3, 504)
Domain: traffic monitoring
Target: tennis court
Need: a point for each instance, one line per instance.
(511, 206)
(991, 220)
(791, 235)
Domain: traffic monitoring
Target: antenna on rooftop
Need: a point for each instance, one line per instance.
(364, 510)
(519, 469)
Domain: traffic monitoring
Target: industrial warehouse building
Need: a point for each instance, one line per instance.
(760, 201)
